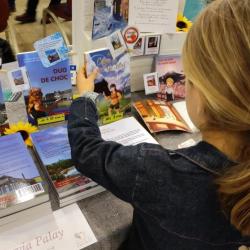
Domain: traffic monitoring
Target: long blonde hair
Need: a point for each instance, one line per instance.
(216, 58)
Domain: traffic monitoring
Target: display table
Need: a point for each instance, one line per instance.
(108, 216)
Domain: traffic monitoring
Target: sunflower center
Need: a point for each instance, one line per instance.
(181, 25)
(24, 134)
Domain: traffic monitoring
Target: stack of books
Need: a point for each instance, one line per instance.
(22, 190)
(53, 150)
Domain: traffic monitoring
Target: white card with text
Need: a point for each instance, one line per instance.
(64, 229)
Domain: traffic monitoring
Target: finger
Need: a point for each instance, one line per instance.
(93, 75)
(84, 68)
(83, 71)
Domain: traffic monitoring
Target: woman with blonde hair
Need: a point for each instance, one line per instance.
(198, 197)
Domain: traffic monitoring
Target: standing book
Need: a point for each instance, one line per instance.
(21, 186)
(50, 94)
(3, 114)
(53, 150)
(171, 77)
(112, 83)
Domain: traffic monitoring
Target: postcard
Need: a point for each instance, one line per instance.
(152, 46)
(18, 79)
(116, 44)
(151, 83)
(52, 50)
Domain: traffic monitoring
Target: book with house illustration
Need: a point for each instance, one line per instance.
(50, 94)
(3, 114)
(21, 185)
(53, 150)
(109, 16)
(112, 83)
(171, 77)
(160, 115)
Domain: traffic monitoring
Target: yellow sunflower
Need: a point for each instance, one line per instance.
(25, 129)
(183, 24)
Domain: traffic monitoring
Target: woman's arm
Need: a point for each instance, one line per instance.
(108, 163)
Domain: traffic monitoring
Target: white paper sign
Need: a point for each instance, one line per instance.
(127, 131)
(154, 15)
(63, 230)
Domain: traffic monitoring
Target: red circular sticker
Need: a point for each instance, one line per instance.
(131, 35)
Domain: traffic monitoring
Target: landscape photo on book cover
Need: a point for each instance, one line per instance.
(3, 115)
(160, 116)
(53, 149)
(50, 92)
(109, 16)
(20, 180)
(171, 77)
(112, 83)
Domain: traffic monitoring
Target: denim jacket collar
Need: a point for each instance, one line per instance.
(207, 156)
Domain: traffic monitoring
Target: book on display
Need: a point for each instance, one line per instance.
(112, 83)
(171, 77)
(50, 94)
(159, 115)
(53, 150)
(21, 186)
(3, 114)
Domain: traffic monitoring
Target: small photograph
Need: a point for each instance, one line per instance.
(116, 44)
(138, 44)
(115, 41)
(52, 55)
(151, 83)
(152, 45)
(18, 80)
(153, 42)
(17, 77)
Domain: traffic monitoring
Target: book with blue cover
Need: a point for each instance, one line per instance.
(53, 149)
(109, 16)
(112, 83)
(3, 115)
(193, 8)
(21, 185)
(50, 94)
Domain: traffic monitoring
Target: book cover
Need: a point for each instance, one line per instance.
(171, 77)
(193, 8)
(3, 115)
(160, 116)
(50, 94)
(109, 16)
(53, 149)
(112, 83)
(20, 181)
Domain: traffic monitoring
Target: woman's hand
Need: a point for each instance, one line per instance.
(83, 83)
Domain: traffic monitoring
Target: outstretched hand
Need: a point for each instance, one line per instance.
(84, 83)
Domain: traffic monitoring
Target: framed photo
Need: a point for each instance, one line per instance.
(152, 45)
(116, 44)
(151, 83)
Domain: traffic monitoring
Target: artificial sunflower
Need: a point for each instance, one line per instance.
(25, 129)
(183, 24)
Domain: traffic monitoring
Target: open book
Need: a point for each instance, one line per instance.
(160, 115)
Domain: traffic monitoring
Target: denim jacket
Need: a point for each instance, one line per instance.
(172, 192)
